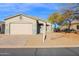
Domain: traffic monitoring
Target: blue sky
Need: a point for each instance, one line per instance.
(41, 10)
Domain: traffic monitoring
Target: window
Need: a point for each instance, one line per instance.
(77, 26)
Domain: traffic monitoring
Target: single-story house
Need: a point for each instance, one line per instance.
(24, 24)
(74, 25)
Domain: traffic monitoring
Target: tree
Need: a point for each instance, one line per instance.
(68, 16)
(55, 18)
(71, 13)
(76, 11)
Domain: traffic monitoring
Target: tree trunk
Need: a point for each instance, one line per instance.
(69, 25)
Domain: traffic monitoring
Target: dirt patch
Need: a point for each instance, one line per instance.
(36, 41)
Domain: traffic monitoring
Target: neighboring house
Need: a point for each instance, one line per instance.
(23, 24)
(74, 25)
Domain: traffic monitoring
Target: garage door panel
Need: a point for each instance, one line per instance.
(21, 29)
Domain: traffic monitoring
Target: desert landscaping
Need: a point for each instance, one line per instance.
(59, 29)
(53, 40)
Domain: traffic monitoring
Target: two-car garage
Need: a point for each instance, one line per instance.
(21, 29)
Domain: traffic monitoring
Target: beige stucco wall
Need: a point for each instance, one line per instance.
(18, 20)
(49, 27)
(63, 27)
(74, 27)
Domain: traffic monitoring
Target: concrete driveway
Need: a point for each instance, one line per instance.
(39, 51)
(36, 41)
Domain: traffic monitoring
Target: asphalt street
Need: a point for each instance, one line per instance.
(39, 51)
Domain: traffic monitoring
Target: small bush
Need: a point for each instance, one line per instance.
(56, 30)
(68, 30)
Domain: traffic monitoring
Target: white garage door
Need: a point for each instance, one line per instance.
(21, 29)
